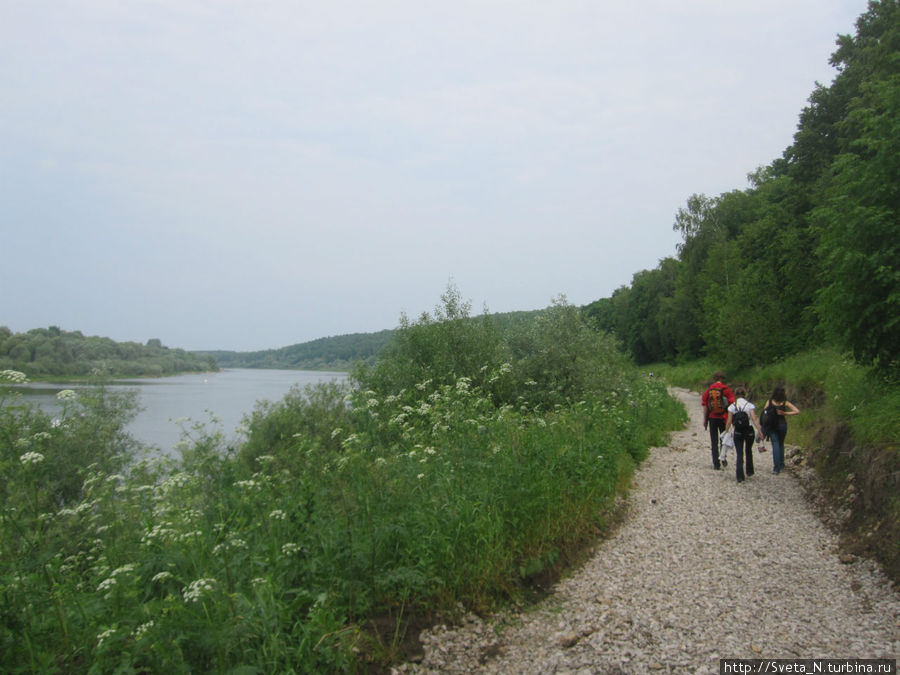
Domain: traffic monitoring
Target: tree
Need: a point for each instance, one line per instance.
(860, 240)
(859, 302)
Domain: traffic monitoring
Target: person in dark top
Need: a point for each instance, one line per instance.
(715, 401)
(776, 411)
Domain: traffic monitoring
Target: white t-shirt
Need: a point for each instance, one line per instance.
(741, 404)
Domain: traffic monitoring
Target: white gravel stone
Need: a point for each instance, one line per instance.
(701, 568)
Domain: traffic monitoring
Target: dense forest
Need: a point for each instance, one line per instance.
(805, 256)
(53, 352)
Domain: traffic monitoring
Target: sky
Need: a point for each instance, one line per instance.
(224, 174)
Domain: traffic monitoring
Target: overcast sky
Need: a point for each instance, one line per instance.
(249, 175)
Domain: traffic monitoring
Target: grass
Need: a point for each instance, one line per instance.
(344, 510)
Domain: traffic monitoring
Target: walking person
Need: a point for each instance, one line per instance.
(746, 427)
(775, 424)
(715, 401)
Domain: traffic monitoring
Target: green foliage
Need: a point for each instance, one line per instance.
(46, 352)
(345, 505)
(808, 255)
(441, 347)
(860, 240)
(823, 381)
(338, 353)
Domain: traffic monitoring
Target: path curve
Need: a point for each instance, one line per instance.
(702, 568)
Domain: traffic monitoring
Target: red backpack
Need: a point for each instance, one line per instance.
(716, 403)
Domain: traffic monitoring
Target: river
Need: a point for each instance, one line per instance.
(228, 394)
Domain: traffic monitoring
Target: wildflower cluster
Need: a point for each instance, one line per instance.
(196, 590)
(31, 458)
(13, 376)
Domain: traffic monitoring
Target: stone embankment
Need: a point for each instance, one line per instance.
(701, 568)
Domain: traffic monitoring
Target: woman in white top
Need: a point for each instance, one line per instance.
(742, 416)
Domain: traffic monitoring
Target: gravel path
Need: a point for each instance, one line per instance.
(702, 568)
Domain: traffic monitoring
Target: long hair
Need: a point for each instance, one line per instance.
(779, 395)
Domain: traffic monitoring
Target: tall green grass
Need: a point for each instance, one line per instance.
(345, 508)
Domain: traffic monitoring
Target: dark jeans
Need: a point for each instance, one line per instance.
(743, 446)
(777, 435)
(716, 427)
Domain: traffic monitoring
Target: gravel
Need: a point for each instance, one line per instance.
(701, 568)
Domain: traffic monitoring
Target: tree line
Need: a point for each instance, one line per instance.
(329, 353)
(43, 352)
(341, 352)
(805, 256)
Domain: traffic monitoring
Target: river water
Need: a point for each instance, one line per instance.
(228, 394)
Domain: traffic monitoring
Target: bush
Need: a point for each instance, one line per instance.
(395, 497)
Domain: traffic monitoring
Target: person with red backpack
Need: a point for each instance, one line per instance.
(715, 401)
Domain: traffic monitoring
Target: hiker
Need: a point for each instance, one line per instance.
(715, 401)
(742, 417)
(775, 425)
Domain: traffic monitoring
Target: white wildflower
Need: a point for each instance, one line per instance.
(31, 458)
(187, 536)
(105, 634)
(197, 589)
(278, 514)
(14, 376)
(249, 484)
(141, 630)
(290, 548)
(65, 395)
(106, 585)
(161, 576)
(124, 569)
(230, 543)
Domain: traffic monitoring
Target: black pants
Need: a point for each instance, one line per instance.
(743, 446)
(716, 427)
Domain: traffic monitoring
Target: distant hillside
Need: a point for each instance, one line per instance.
(329, 353)
(339, 352)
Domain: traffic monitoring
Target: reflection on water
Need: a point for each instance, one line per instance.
(228, 394)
